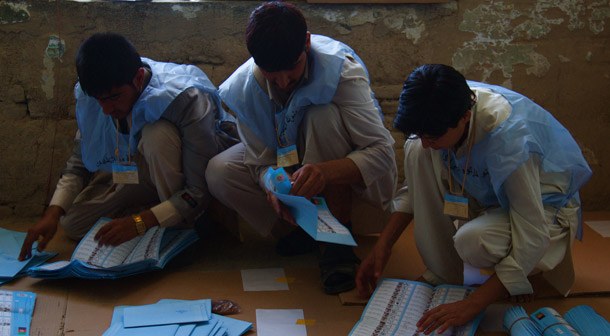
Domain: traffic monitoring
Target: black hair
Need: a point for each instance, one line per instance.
(433, 99)
(104, 61)
(276, 35)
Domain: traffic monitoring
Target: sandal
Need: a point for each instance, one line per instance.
(338, 267)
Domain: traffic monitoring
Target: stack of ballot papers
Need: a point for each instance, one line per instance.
(141, 254)
(313, 215)
(580, 320)
(397, 305)
(174, 317)
(16, 310)
(10, 247)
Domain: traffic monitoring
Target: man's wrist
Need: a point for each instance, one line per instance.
(140, 225)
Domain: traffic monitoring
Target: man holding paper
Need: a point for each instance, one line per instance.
(304, 103)
(491, 181)
(146, 131)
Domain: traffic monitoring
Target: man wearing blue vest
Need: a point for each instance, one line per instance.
(303, 102)
(491, 181)
(146, 131)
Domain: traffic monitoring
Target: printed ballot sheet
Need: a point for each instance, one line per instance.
(137, 249)
(397, 305)
(312, 215)
(16, 310)
(141, 254)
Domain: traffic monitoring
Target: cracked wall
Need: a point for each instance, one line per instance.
(554, 51)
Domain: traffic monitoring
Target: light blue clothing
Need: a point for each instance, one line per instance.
(244, 96)
(528, 129)
(99, 132)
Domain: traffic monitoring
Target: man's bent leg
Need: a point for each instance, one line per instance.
(103, 198)
(324, 137)
(231, 182)
(433, 229)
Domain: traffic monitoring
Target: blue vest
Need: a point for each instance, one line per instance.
(243, 95)
(528, 129)
(98, 131)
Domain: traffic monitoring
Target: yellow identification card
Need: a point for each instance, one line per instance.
(287, 156)
(125, 173)
(456, 206)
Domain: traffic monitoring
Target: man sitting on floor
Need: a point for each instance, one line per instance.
(146, 131)
(303, 102)
(491, 179)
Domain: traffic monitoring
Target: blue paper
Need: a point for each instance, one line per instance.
(10, 248)
(165, 313)
(313, 216)
(117, 328)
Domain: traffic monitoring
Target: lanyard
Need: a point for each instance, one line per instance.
(470, 142)
(277, 134)
(118, 159)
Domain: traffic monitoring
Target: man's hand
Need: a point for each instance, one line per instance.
(279, 207)
(461, 312)
(370, 270)
(309, 181)
(45, 228)
(117, 231)
(449, 315)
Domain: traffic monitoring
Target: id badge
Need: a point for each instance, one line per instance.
(456, 206)
(125, 173)
(287, 156)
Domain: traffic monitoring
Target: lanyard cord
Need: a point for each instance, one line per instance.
(276, 131)
(470, 142)
(118, 159)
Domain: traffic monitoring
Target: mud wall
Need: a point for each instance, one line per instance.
(554, 51)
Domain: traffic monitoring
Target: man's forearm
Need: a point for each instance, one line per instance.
(341, 171)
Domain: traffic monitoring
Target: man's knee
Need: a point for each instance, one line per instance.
(220, 174)
(480, 246)
(160, 137)
(75, 226)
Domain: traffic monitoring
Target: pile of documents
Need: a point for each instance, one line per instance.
(581, 320)
(10, 247)
(141, 254)
(16, 312)
(397, 305)
(174, 317)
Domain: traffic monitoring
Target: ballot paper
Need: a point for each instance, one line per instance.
(580, 320)
(144, 253)
(16, 310)
(397, 305)
(10, 247)
(311, 215)
(165, 313)
(213, 326)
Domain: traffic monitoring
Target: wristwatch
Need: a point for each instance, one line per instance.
(140, 226)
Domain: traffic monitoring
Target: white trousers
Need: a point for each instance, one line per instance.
(481, 242)
(323, 136)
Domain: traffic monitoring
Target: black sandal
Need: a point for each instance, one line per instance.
(338, 267)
